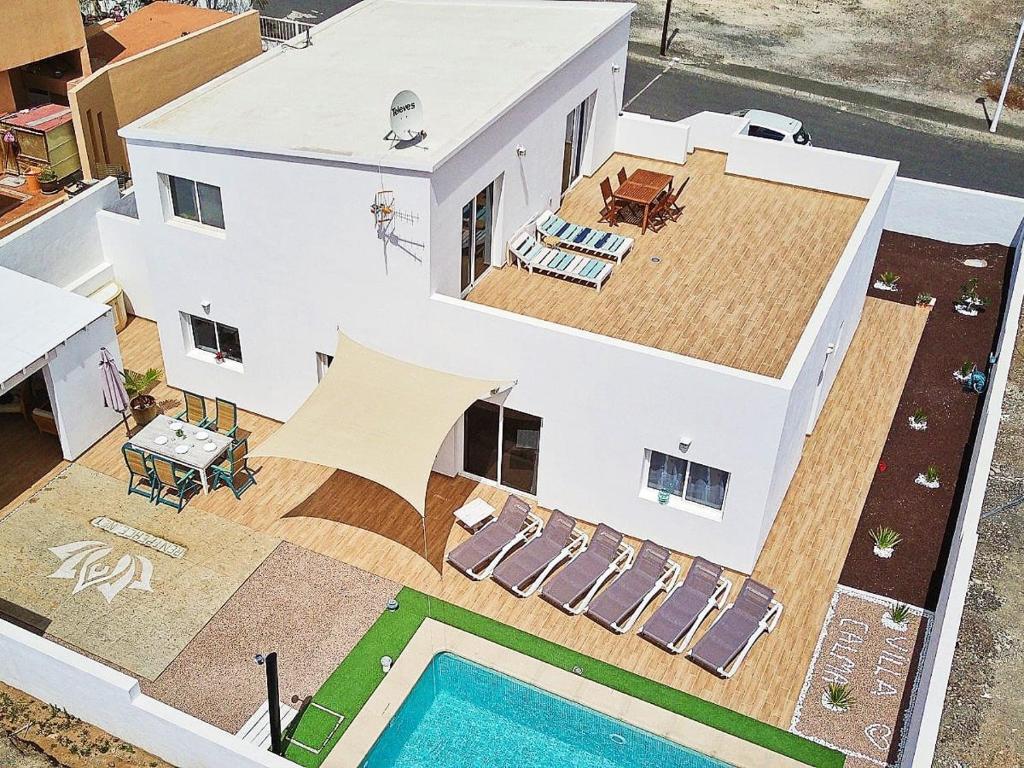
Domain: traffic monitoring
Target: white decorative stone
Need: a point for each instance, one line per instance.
(885, 286)
(830, 706)
(885, 553)
(922, 480)
(888, 622)
(920, 426)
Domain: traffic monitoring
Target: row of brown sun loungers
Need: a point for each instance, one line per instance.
(520, 553)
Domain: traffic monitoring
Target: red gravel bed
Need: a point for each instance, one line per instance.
(926, 518)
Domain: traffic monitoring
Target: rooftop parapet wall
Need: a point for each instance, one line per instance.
(35, 30)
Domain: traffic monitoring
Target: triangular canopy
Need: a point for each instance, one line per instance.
(379, 418)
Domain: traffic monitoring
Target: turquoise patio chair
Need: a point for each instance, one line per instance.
(235, 472)
(176, 480)
(195, 410)
(141, 478)
(225, 418)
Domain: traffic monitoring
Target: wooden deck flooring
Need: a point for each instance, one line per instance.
(330, 513)
(740, 273)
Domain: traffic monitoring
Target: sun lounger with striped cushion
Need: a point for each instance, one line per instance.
(553, 261)
(581, 238)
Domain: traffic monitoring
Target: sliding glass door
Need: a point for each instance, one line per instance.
(502, 445)
(575, 136)
(477, 233)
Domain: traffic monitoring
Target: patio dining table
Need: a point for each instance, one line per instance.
(160, 437)
(642, 187)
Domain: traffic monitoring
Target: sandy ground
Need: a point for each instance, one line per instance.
(65, 740)
(983, 722)
(932, 53)
(124, 601)
(858, 650)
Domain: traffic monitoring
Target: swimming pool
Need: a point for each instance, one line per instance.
(462, 715)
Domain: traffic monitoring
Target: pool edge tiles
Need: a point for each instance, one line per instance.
(434, 637)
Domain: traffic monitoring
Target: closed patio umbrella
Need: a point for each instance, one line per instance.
(114, 394)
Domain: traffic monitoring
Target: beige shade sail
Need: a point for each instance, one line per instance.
(379, 418)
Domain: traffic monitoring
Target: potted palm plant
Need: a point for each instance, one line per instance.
(886, 540)
(919, 421)
(887, 281)
(837, 697)
(969, 302)
(138, 386)
(896, 617)
(48, 181)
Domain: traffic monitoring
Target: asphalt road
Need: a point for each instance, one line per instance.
(926, 156)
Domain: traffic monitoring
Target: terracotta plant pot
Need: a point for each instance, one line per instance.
(144, 409)
(32, 181)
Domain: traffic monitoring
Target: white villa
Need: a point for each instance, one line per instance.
(673, 404)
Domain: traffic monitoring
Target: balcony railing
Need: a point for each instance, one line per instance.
(277, 31)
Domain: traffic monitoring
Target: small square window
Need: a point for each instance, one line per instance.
(684, 481)
(196, 201)
(204, 334)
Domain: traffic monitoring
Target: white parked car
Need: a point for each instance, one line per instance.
(769, 125)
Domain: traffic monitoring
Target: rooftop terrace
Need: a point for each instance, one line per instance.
(739, 276)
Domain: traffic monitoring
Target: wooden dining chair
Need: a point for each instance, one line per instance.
(622, 176)
(610, 209)
(141, 478)
(234, 472)
(225, 418)
(174, 479)
(195, 409)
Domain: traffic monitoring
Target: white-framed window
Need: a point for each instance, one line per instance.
(218, 339)
(684, 484)
(195, 201)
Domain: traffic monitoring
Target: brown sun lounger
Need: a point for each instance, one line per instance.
(524, 570)
(573, 587)
(674, 624)
(728, 641)
(478, 555)
(619, 606)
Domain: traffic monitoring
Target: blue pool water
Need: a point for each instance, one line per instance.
(462, 715)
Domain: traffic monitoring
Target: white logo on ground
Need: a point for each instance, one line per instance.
(83, 562)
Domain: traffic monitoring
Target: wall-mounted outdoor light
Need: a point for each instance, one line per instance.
(521, 150)
(616, 68)
(206, 306)
(684, 444)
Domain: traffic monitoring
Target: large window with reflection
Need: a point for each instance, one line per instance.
(477, 235)
(502, 445)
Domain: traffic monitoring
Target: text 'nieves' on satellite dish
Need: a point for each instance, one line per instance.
(406, 117)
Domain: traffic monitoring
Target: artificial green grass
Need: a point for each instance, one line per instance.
(359, 675)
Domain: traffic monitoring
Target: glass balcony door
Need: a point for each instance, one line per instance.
(502, 445)
(477, 235)
(575, 136)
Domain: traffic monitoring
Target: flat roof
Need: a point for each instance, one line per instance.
(738, 275)
(469, 61)
(37, 318)
(146, 28)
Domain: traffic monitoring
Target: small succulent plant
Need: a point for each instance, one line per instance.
(838, 696)
(885, 538)
(898, 613)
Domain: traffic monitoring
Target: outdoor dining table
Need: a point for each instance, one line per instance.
(188, 450)
(642, 187)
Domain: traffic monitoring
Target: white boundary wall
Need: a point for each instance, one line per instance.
(112, 701)
(63, 247)
(642, 135)
(953, 214)
(964, 216)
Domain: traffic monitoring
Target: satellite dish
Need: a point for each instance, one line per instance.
(406, 117)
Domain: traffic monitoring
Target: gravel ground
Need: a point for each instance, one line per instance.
(309, 608)
(934, 53)
(983, 722)
(858, 650)
(21, 756)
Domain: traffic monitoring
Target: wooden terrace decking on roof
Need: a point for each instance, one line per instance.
(739, 274)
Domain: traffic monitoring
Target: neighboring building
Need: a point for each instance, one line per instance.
(253, 198)
(43, 51)
(152, 57)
